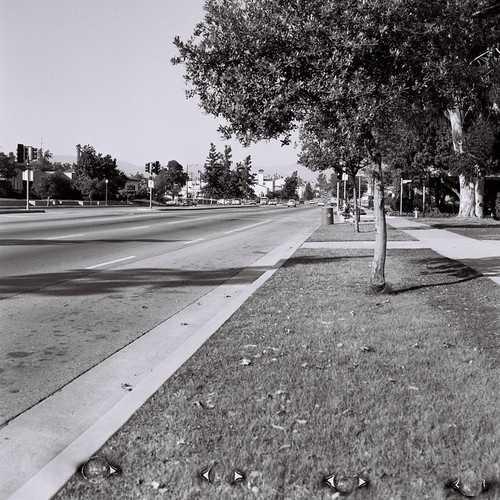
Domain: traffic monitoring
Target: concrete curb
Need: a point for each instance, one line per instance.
(43, 447)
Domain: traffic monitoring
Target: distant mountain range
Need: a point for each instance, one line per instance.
(280, 170)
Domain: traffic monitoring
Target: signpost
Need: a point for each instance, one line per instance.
(344, 178)
(28, 177)
(403, 181)
(151, 185)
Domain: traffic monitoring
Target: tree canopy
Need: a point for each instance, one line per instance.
(342, 69)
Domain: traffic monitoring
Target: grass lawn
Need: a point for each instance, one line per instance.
(346, 232)
(402, 389)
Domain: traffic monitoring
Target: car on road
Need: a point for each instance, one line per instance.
(312, 202)
(321, 203)
(291, 203)
(272, 202)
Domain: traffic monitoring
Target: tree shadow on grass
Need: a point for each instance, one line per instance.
(314, 259)
(439, 271)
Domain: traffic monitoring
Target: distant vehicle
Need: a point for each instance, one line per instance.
(312, 202)
(171, 203)
(272, 202)
(291, 203)
(236, 202)
(321, 203)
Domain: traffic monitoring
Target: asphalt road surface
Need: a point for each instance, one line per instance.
(77, 285)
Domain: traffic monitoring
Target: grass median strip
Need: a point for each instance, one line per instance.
(315, 376)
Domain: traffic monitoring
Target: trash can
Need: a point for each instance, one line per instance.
(327, 215)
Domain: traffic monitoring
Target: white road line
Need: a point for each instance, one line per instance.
(67, 236)
(193, 241)
(111, 262)
(138, 227)
(187, 220)
(247, 227)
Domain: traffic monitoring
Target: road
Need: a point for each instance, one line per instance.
(79, 285)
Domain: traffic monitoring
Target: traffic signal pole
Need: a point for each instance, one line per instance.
(152, 168)
(24, 155)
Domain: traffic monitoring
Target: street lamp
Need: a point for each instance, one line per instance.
(106, 182)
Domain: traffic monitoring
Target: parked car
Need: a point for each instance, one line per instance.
(236, 202)
(272, 202)
(321, 203)
(312, 202)
(291, 203)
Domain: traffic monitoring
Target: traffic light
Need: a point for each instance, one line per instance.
(147, 169)
(21, 155)
(32, 153)
(157, 167)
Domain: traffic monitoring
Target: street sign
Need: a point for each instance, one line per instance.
(28, 175)
(405, 181)
(345, 177)
(151, 183)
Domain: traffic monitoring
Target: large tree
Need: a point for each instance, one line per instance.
(266, 66)
(8, 170)
(242, 179)
(92, 169)
(171, 179)
(453, 52)
(53, 185)
(289, 189)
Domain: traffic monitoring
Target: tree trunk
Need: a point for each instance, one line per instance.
(479, 195)
(377, 278)
(467, 187)
(356, 209)
(467, 203)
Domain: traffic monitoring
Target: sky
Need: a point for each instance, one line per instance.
(98, 72)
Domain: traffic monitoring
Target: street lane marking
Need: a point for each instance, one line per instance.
(187, 220)
(193, 241)
(67, 236)
(138, 227)
(111, 262)
(247, 227)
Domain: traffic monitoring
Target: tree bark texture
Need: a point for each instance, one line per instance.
(377, 278)
(356, 208)
(467, 197)
(467, 186)
(479, 196)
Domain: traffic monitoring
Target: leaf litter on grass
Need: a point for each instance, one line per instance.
(407, 418)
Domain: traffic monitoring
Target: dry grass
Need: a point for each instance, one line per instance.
(402, 388)
(346, 232)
